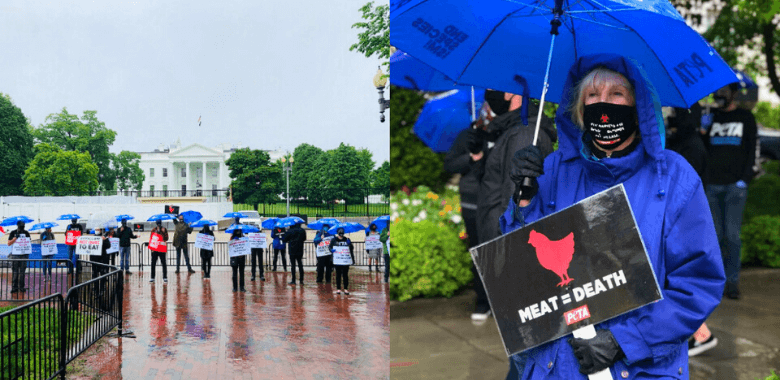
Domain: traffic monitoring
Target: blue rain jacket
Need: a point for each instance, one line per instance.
(675, 222)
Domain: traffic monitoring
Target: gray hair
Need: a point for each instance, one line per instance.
(596, 78)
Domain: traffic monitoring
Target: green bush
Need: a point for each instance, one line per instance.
(761, 241)
(428, 261)
(773, 376)
(762, 197)
(422, 204)
(767, 115)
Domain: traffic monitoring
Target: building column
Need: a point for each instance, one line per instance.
(189, 175)
(203, 185)
(171, 173)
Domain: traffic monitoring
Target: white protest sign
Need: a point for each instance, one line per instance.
(22, 246)
(257, 240)
(89, 245)
(114, 245)
(341, 256)
(203, 241)
(48, 247)
(372, 242)
(239, 247)
(322, 247)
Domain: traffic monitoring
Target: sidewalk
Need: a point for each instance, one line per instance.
(196, 329)
(435, 339)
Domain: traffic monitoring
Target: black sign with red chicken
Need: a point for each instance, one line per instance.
(582, 265)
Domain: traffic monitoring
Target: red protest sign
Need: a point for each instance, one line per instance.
(157, 244)
(71, 237)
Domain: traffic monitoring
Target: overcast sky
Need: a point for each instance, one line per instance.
(263, 74)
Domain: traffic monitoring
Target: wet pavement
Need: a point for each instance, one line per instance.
(435, 338)
(191, 328)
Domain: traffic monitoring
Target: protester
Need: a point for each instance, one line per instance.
(74, 226)
(324, 263)
(180, 242)
(104, 257)
(385, 239)
(257, 259)
(47, 264)
(342, 270)
(295, 236)
(19, 265)
(206, 254)
(373, 254)
(668, 199)
(125, 233)
(238, 263)
(279, 247)
(732, 147)
(505, 133)
(162, 231)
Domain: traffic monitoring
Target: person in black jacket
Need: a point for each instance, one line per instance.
(206, 255)
(684, 138)
(125, 233)
(104, 257)
(163, 232)
(19, 265)
(505, 134)
(47, 265)
(342, 270)
(294, 239)
(238, 264)
(74, 226)
(257, 259)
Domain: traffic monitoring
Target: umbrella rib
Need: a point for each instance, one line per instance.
(600, 23)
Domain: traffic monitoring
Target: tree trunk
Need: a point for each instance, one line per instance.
(768, 32)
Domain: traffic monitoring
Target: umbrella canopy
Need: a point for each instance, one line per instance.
(12, 220)
(381, 223)
(269, 223)
(245, 228)
(322, 222)
(124, 216)
(745, 81)
(442, 118)
(409, 72)
(289, 221)
(157, 217)
(349, 227)
(101, 220)
(43, 226)
(203, 222)
(507, 45)
(69, 217)
(191, 216)
(235, 215)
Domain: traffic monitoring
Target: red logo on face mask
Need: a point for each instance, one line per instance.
(554, 256)
(604, 118)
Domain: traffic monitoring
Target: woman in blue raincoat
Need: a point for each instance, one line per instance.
(671, 211)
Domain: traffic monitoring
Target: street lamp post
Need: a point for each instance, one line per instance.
(380, 81)
(287, 165)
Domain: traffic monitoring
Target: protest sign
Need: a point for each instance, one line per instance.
(156, 243)
(71, 237)
(580, 266)
(22, 246)
(372, 242)
(89, 245)
(239, 247)
(322, 247)
(341, 255)
(203, 241)
(48, 247)
(257, 240)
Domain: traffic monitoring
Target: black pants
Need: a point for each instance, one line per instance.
(293, 260)
(257, 259)
(342, 271)
(18, 268)
(387, 267)
(284, 258)
(161, 256)
(99, 270)
(238, 263)
(470, 220)
(325, 267)
(205, 261)
(186, 257)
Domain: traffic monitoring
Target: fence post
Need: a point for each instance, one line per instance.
(63, 335)
(121, 286)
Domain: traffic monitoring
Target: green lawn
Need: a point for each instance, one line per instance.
(280, 208)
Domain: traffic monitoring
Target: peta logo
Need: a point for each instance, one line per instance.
(733, 129)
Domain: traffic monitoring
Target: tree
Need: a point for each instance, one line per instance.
(380, 178)
(57, 172)
(16, 145)
(88, 135)
(255, 179)
(375, 37)
(305, 158)
(347, 174)
(129, 175)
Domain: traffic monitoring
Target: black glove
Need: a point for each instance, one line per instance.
(597, 353)
(527, 165)
(476, 139)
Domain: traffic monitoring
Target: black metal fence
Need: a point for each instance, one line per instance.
(39, 339)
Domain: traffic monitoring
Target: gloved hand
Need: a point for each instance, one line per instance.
(597, 353)
(741, 184)
(476, 139)
(527, 163)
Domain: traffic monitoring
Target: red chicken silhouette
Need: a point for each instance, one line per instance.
(554, 255)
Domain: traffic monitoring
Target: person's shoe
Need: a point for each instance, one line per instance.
(481, 313)
(165, 280)
(207, 277)
(301, 282)
(235, 290)
(338, 291)
(291, 283)
(45, 279)
(191, 270)
(177, 271)
(152, 280)
(346, 291)
(128, 272)
(369, 269)
(695, 348)
(243, 289)
(262, 278)
(14, 290)
(252, 279)
(273, 270)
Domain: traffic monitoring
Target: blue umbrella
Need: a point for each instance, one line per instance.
(235, 215)
(269, 223)
(125, 217)
(157, 217)
(510, 45)
(12, 220)
(381, 223)
(203, 222)
(289, 221)
(409, 72)
(191, 216)
(322, 222)
(245, 228)
(745, 81)
(43, 226)
(349, 227)
(69, 217)
(442, 118)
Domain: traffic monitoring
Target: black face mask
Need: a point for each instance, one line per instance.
(611, 123)
(159, 223)
(124, 223)
(20, 226)
(496, 101)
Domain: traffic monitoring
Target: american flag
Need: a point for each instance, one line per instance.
(199, 121)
